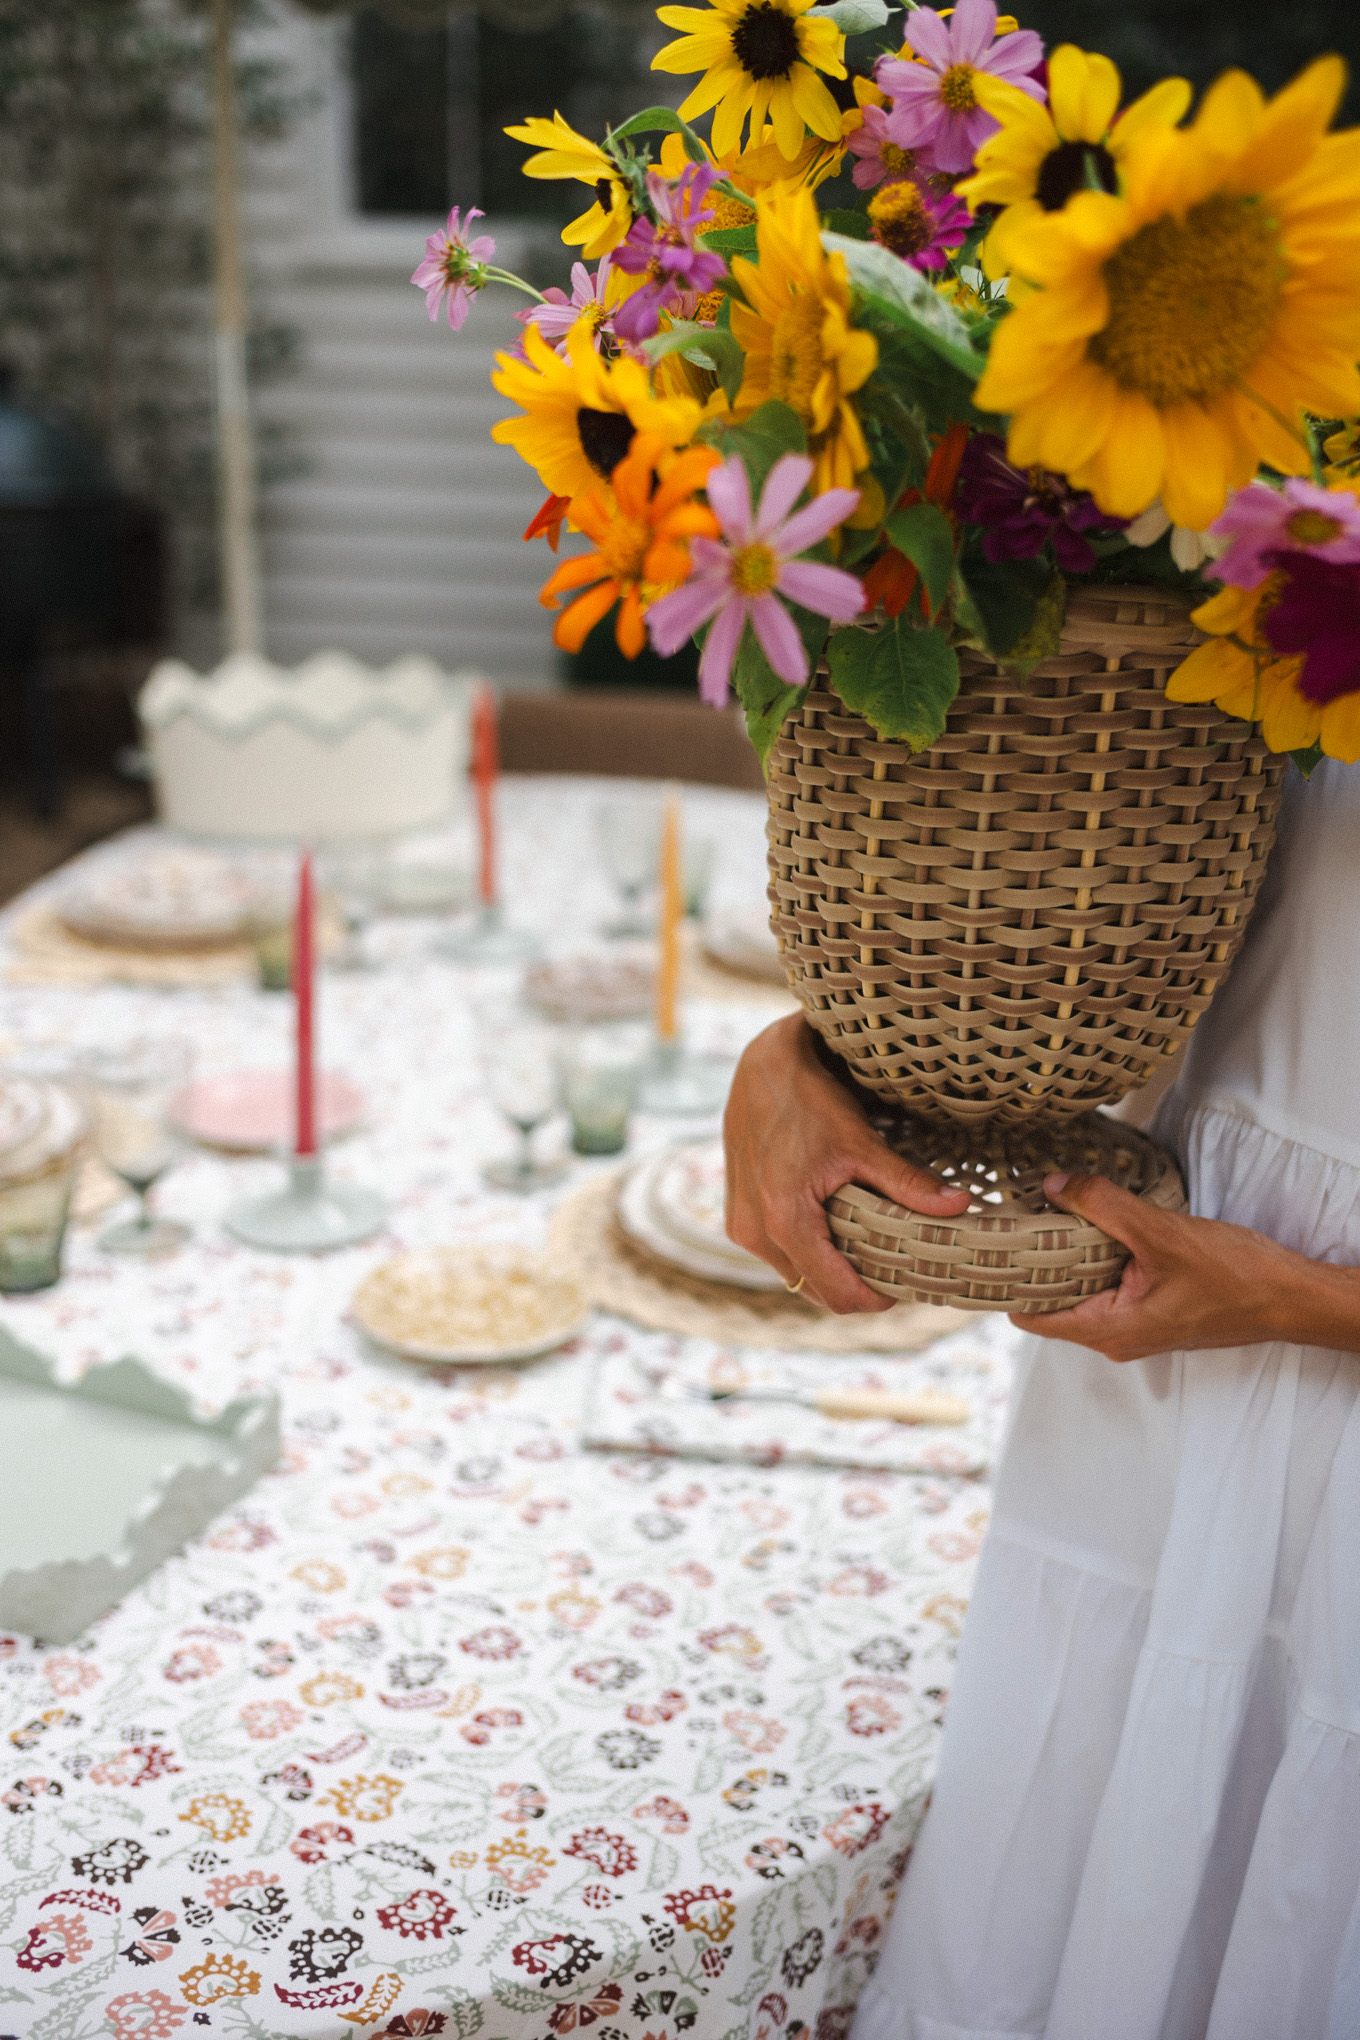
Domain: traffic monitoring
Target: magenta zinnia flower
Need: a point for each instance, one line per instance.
(740, 580)
(663, 251)
(1317, 612)
(454, 267)
(939, 114)
(1020, 509)
(1301, 517)
(558, 313)
(880, 151)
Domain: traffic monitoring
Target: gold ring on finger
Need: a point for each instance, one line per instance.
(794, 1287)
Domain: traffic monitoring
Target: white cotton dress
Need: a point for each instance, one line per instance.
(1146, 1820)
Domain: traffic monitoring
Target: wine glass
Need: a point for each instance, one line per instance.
(354, 880)
(129, 1090)
(629, 831)
(518, 1060)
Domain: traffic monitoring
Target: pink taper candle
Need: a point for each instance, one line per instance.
(485, 767)
(304, 992)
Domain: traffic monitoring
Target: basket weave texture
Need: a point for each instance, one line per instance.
(1022, 920)
(1010, 1250)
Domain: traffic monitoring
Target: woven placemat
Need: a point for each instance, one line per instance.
(44, 951)
(624, 1278)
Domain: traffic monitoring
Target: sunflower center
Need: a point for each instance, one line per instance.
(1074, 167)
(796, 360)
(605, 438)
(729, 212)
(765, 42)
(1192, 301)
(755, 569)
(624, 548)
(956, 88)
(1312, 527)
(901, 219)
(897, 162)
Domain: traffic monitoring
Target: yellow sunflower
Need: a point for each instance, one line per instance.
(581, 415)
(565, 154)
(759, 57)
(1044, 155)
(1180, 328)
(1240, 674)
(796, 334)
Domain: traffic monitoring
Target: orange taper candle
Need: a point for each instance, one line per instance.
(485, 766)
(672, 914)
(304, 993)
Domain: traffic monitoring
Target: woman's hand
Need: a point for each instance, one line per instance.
(1193, 1282)
(794, 1136)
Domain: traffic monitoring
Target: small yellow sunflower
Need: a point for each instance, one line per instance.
(1239, 673)
(1180, 328)
(759, 57)
(1044, 155)
(565, 154)
(796, 334)
(581, 415)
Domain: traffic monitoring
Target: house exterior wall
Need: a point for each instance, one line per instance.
(403, 532)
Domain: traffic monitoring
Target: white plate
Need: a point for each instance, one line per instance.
(388, 1305)
(174, 899)
(687, 1192)
(745, 945)
(638, 1218)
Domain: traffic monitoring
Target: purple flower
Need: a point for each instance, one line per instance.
(880, 151)
(1021, 509)
(939, 116)
(918, 228)
(1301, 517)
(1317, 612)
(558, 313)
(663, 251)
(740, 580)
(454, 267)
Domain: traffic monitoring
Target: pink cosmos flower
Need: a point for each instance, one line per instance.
(939, 114)
(454, 267)
(880, 150)
(664, 252)
(739, 580)
(558, 313)
(1301, 517)
(918, 227)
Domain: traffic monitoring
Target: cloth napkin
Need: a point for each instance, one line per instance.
(635, 1403)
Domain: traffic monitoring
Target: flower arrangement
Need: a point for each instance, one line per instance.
(1040, 339)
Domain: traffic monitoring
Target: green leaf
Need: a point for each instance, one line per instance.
(916, 374)
(1308, 759)
(854, 226)
(903, 291)
(924, 534)
(654, 120)
(997, 601)
(900, 678)
(765, 436)
(1044, 636)
(712, 347)
(853, 17)
(768, 700)
(730, 241)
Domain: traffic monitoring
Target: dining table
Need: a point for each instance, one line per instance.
(455, 1724)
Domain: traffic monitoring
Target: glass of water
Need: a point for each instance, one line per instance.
(129, 1091)
(629, 831)
(519, 1063)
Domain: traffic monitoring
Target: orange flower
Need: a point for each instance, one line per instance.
(892, 579)
(547, 522)
(639, 529)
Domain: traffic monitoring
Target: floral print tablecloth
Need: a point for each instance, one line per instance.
(452, 1727)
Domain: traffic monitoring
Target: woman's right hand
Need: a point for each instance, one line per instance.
(794, 1136)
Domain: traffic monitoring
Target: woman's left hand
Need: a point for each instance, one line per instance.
(1193, 1282)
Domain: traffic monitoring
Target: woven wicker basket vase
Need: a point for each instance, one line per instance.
(1018, 924)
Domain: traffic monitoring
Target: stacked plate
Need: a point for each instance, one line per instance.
(744, 943)
(673, 1206)
(176, 899)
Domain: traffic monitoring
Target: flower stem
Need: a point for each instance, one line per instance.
(515, 282)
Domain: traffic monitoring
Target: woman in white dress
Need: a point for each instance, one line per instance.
(1146, 1819)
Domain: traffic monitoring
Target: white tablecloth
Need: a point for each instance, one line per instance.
(451, 1727)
